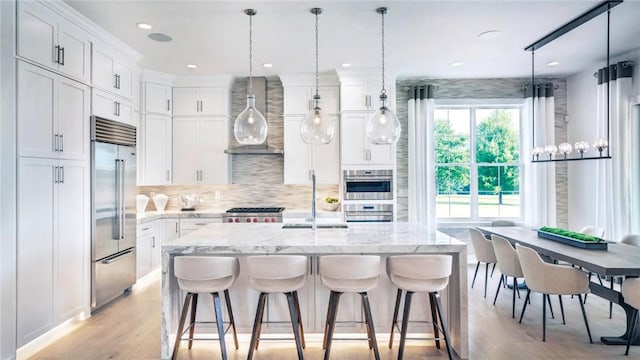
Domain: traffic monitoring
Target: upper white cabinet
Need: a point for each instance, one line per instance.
(53, 115)
(298, 100)
(52, 41)
(156, 152)
(193, 101)
(198, 150)
(300, 158)
(157, 99)
(112, 107)
(364, 94)
(111, 71)
(356, 149)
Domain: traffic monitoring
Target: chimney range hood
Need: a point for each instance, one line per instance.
(260, 91)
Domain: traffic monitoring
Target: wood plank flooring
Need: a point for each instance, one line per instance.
(129, 328)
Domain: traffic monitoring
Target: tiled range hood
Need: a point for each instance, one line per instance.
(260, 91)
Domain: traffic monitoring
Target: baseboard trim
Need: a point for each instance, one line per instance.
(51, 336)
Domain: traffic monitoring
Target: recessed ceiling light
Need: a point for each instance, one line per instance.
(553, 63)
(192, 66)
(346, 65)
(491, 34)
(144, 26)
(160, 37)
(457, 63)
(267, 65)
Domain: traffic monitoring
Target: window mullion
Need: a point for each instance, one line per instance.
(473, 167)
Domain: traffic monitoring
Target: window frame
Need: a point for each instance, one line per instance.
(473, 105)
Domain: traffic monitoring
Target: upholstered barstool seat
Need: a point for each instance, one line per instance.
(278, 274)
(205, 274)
(420, 273)
(349, 274)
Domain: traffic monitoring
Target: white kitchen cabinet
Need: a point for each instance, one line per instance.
(112, 107)
(51, 262)
(298, 161)
(157, 99)
(363, 94)
(298, 100)
(198, 151)
(111, 71)
(188, 225)
(157, 149)
(356, 148)
(52, 41)
(170, 230)
(148, 247)
(53, 115)
(191, 101)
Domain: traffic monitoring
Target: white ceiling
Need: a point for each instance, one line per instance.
(422, 37)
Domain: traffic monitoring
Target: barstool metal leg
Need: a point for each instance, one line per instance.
(366, 322)
(295, 296)
(183, 317)
(333, 306)
(220, 325)
(256, 325)
(367, 313)
(443, 323)
(295, 325)
(405, 323)
(264, 304)
(395, 317)
(326, 324)
(434, 319)
(192, 322)
(231, 319)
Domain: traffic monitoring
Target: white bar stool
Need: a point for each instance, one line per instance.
(205, 274)
(420, 273)
(349, 274)
(278, 274)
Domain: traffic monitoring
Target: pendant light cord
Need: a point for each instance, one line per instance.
(383, 91)
(250, 89)
(317, 97)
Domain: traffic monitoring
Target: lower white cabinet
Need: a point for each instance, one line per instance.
(148, 247)
(170, 229)
(192, 224)
(157, 151)
(53, 244)
(112, 107)
(300, 158)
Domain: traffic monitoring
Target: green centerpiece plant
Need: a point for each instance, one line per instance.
(570, 234)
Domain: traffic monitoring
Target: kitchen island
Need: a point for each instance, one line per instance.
(383, 239)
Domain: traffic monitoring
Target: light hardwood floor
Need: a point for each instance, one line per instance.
(129, 328)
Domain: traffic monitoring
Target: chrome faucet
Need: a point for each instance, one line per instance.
(313, 200)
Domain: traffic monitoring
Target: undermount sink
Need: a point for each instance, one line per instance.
(319, 226)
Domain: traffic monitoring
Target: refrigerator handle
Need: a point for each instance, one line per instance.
(122, 195)
(118, 196)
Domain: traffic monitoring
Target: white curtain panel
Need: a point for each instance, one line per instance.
(539, 196)
(616, 206)
(421, 171)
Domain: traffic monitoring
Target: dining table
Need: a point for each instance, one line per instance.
(616, 260)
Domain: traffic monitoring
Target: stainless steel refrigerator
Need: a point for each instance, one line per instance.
(113, 209)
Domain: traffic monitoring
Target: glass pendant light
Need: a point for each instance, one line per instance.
(383, 127)
(250, 127)
(316, 126)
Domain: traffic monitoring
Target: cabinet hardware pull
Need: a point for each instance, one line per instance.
(115, 108)
(176, 227)
(62, 174)
(62, 58)
(115, 81)
(168, 176)
(56, 54)
(145, 229)
(168, 105)
(55, 142)
(201, 224)
(61, 142)
(118, 108)
(118, 81)
(153, 244)
(55, 174)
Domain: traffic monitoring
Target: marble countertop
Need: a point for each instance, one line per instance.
(147, 216)
(385, 238)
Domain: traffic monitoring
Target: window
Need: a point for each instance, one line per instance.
(477, 152)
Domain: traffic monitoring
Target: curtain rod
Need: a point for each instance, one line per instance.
(588, 15)
(625, 64)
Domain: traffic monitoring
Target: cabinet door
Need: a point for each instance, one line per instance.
(37, 34)
(354, 97)
(72, 238)
(75, 51)
(157, 99)
(35, 232)
(214, 101)
(157, 150)
(327, 158)
(102, 67)
(185, 101)
(381, 154)
(124, 73)
(73, 119)
(126, 113)
(297, 100)
(186, 156)
(296, 153)
(156, 251)
(353, 149)
(143, 255)
(36, 109)
(103, 105)
(214, 166)
(171, 230)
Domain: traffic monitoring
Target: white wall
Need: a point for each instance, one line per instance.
(581, 104)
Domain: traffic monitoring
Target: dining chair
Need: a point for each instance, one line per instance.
(497, 223)
(551, 279)
(509, 265)
(629, 239)
(483, 250)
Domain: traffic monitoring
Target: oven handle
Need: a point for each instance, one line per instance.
(370, 178)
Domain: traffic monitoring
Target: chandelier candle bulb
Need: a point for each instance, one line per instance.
(536, 151)
(565, 148)
(582, 146)
(550, 149)
(600, 145)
